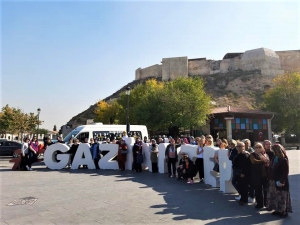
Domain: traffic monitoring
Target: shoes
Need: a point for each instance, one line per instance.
(258, 207)
(251, 200)
(27, 167)
(202, 180)
(238, 198)
(171, 176)
(268, 209)
(191, 182)
(30, 169)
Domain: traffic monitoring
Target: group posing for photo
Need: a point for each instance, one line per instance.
(259, 174)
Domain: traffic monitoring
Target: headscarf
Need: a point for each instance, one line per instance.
(185, 140)
(279, 152)
(137, 142)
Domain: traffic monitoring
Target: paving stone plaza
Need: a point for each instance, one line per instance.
(87, 196)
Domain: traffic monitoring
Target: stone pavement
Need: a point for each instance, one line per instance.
(114, 197)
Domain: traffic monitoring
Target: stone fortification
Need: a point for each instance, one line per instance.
(239, 79)
(266, 61)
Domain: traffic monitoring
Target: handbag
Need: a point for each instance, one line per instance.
(216, 168)
(123, 152)
(139, 158)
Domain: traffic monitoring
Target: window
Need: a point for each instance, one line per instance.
(83, 136)
(117, 135)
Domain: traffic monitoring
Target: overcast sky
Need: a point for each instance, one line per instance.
(63, 56)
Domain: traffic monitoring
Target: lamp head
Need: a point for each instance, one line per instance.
(128, 90)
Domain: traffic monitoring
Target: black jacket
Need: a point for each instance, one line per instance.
(242, 164)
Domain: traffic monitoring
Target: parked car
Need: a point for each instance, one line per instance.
(7, 148)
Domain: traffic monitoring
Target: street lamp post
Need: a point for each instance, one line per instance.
(38, 114)
(127, 111)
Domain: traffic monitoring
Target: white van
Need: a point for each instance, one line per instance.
(104, 131)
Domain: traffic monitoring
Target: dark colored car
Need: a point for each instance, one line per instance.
(7, 148)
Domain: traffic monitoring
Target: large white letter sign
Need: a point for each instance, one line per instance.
(162, 166)
(225, 173)
(210, 177)
(49, 155)
(129, 141)
(83, 149)
(106, 161)
(146, 155)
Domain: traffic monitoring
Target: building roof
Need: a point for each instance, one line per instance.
(231, 109)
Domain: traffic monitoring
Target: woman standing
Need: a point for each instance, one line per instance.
(24, 151)
(122, 154)
(73, 150)
(259, 181)
(199, 161)
(137, 151)
(171, 157)
(209, 141)
(33, 151)
(223, 145)
(268, 149)
(153, 155)
(279, 198)
(242, 171)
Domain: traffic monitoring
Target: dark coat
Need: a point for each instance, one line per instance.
(192, 170)
(242, 164)
(258, 169)
(280, 172)
(233, 153)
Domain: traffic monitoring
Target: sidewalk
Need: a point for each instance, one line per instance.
(113, 197)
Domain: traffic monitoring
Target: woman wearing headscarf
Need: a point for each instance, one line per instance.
(33, 149)
(136, 152)
(259, 181)
(279, 198)
(153, 155)
(122, 154)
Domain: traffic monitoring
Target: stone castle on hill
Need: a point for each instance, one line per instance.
(239, 79)
(266, 61)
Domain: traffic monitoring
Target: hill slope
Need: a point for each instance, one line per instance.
(238, 88)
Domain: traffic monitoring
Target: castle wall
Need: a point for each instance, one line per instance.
(151, 71)
(262, 59)
(174, 67)
(198, 67)
(268, 62)
(232, 64)
(289, 60)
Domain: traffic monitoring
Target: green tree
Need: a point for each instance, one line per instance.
(284, 99)
(107, 112)
(184, 103)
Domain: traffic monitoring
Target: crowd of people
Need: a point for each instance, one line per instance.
(259, 174)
